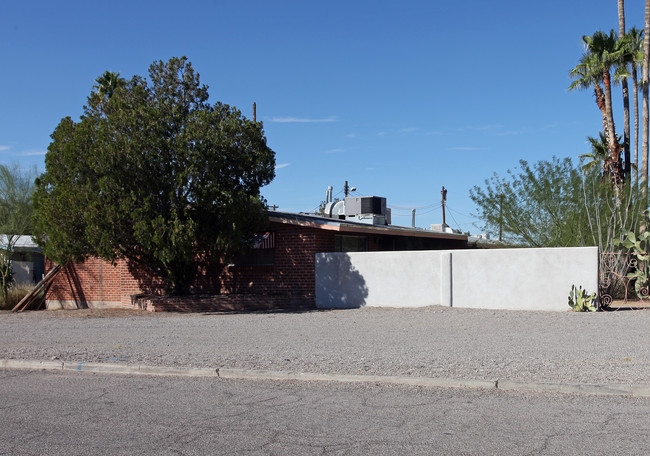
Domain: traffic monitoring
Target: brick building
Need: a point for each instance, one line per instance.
(278, 273)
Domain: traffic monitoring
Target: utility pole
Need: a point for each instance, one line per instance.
(444, 200)
(346, 189)
(254, 112)
(500, 216)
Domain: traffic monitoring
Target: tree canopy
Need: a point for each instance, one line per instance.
(539, 205)
(155, 174)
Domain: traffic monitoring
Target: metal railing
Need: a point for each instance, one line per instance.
(619, 275)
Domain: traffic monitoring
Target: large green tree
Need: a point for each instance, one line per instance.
(155, 174)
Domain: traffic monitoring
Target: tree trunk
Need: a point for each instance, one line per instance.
(644, 84)
(614, 148)
(600, 102)
(626, 96)
(635, 88)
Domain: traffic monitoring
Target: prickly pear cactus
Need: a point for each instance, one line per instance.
(581, 301)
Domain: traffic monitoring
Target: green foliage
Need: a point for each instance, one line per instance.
(538, 205)
(107, 84)
(155, 174)
(16, 212)
(554, 204)
(581, 301)
(639, 246)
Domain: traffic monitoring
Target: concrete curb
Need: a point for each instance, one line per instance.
(305, 376)
(30, 364)
(608, 389)
(611, 389)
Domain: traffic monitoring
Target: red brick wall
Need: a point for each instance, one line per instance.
(293, 269)
(94, 280)
(97, 283)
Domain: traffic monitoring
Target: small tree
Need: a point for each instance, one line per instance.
(154, 174)
(16, 189)
(538, 205)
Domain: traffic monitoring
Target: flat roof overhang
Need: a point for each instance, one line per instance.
(345, 226)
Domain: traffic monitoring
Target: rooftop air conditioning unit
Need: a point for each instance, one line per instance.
(367, 209)
(365, 205)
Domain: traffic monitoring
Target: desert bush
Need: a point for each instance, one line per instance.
(15, 294)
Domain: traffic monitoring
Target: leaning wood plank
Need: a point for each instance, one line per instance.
(29, 297)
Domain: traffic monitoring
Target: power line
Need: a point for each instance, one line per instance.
(430, 211)
(456, 222)
(415, 207)
(464, 215)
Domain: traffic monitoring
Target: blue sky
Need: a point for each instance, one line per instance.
(398, 98)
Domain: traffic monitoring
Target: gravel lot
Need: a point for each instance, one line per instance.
(604, 347)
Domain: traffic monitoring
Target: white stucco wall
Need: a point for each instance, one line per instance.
(382, 279)
(534, 279)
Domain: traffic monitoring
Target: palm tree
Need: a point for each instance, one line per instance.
(599, 155)
(107, 83)
(633, 43)
(603, 53)
(585, 77)
(626, 95)
(644, 85)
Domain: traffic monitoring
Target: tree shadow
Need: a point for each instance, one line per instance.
(338, 284)
(75, 285)
(148, 281)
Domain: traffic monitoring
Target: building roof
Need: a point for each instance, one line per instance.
(348, 226)
(24, 243)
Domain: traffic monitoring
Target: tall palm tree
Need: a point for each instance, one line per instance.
(586, 77)
(644, 85)
(633, 43)
(603, 53)
(626, 95)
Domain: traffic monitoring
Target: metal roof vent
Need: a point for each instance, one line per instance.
(335, 210)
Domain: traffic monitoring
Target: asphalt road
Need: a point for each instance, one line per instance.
(68, 413)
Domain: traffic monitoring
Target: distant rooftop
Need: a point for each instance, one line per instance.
(23, 243)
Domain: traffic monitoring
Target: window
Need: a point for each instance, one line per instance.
(262, 253)
(350, 244)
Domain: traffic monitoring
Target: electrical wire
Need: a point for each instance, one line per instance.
(460, 213)
(455, 221)
(408, 208)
